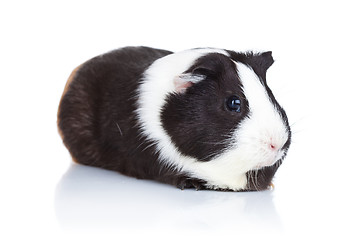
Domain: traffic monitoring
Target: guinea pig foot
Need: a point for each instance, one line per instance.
(198, 185)
(271, 186)
(185, 182)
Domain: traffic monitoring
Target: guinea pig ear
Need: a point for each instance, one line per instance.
(204, 67)
(262, 62)
(186, 80)
(266, 59)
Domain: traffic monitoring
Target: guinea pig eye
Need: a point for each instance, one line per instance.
(233, 103)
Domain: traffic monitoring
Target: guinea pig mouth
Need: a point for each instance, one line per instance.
(270, 160)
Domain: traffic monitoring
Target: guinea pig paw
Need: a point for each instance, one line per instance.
(198, 184)
(186, 182)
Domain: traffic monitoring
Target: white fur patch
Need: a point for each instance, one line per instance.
(251, 141)
(264, 133)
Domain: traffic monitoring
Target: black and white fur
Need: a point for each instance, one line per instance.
(155, 114)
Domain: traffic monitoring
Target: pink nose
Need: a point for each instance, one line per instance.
(272, 146)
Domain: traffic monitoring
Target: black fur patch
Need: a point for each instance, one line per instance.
(97, 119)
(198, 120)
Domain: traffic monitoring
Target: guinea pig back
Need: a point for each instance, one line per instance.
(202, 118)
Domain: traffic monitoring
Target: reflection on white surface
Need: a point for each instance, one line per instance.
(92, 198)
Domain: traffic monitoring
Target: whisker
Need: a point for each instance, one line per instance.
(257, 178)
(225, 142)
(210, 155)
(121, 134)
(148, 146)
(248, 178)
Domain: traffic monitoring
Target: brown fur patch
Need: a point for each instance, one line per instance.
(68, 82)
(70, 79)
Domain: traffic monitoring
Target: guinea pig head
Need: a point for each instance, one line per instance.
(224, 117)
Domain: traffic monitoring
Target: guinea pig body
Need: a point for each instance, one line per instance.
(202, 118)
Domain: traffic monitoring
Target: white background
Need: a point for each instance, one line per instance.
(315, 77)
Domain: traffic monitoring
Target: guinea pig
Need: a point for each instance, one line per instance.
(202, 118)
